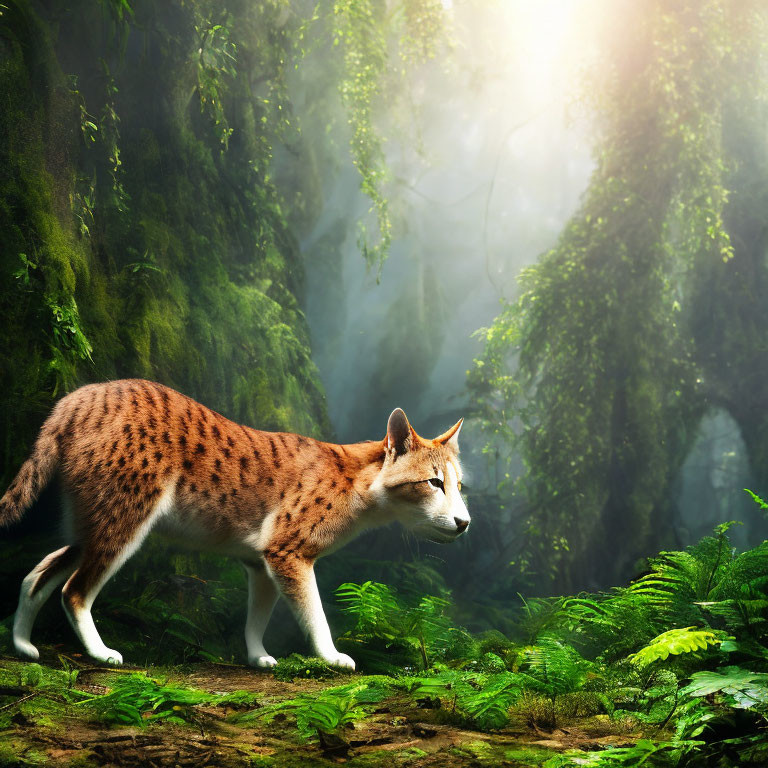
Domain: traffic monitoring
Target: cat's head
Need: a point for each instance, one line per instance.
(420, 480)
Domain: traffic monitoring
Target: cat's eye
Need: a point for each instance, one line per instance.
(458, 485)
(437, 482)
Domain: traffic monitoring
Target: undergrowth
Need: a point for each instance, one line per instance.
(44, 696)
(679, 656)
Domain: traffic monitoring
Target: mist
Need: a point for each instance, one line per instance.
(235, 239)
(489, 153)
(485, 168)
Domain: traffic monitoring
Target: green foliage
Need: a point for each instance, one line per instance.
(37, 692)
(711, 580)
(216, 58)
(45, 695)
(488, 707)
(757, 499)
(556, 665)
(300, 667)
(391, 632)
(137, 699)
(362, 30)
(645, 752)
(328, 711)
(591, 375)
(483, 701)
(675, 642)
(371, 604)
(744, 689)
(678, 653)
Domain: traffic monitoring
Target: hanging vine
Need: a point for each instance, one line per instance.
(364, 30)
(589, 374)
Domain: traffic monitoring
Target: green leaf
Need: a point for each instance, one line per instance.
(747, 688)
(675, 642)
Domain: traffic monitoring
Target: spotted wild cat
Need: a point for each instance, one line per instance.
(134, 456)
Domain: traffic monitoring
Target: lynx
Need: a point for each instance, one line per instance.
(133, 456)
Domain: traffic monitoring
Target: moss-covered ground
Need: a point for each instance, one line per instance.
(65, 712)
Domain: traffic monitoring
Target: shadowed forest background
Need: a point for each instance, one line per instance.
(549, 218)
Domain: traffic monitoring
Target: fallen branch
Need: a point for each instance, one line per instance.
(18, 701)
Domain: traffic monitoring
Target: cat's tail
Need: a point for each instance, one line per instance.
(35, 473)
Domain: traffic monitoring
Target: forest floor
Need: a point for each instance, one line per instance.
(40, 728)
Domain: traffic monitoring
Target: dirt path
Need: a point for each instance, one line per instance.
(397, 733)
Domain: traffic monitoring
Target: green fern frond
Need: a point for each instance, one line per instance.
(760, 502)
(484, 700)
(417, 633)
(370, 603)
(675, 642)
(137, 699)
(557, 666)
(331, 709)
(644, 752)
(489, 707)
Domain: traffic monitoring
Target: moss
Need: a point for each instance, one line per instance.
(187, 271)
(297, 667)
(16, 754)
(42, 266)
(527, 756)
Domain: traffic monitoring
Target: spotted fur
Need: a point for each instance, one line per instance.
(135, 456)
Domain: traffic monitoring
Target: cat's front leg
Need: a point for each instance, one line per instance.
(295, 577)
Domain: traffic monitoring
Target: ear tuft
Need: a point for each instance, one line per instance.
(398, 432)
(450, 439)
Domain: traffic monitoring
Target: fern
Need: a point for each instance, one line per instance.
(137, 699)
(389, 631)
(327, 715)
(372, 604)
(539, 615)
(488, 707)
(481, 700)
(710, 583)
(684, 577)
(675, 642)
(757, 499)
(328, 711)
(643, 753)
(610, 625)
(557, 666)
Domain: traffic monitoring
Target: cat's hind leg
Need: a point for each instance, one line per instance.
(77, 599)
(36, 588)
(262, 595)
(109, 540)
(82, 588)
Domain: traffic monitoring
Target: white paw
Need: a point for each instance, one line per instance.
(25, 649)
(265, 662)
(340, 660)
(109, 657)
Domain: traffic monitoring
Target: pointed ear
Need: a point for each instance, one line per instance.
(399, 432)
(450, 439)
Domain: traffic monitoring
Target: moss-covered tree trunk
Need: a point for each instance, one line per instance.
(607, 387)
(141, 234)
(728, 309)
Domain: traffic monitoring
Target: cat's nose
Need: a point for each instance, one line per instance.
(461, 525)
